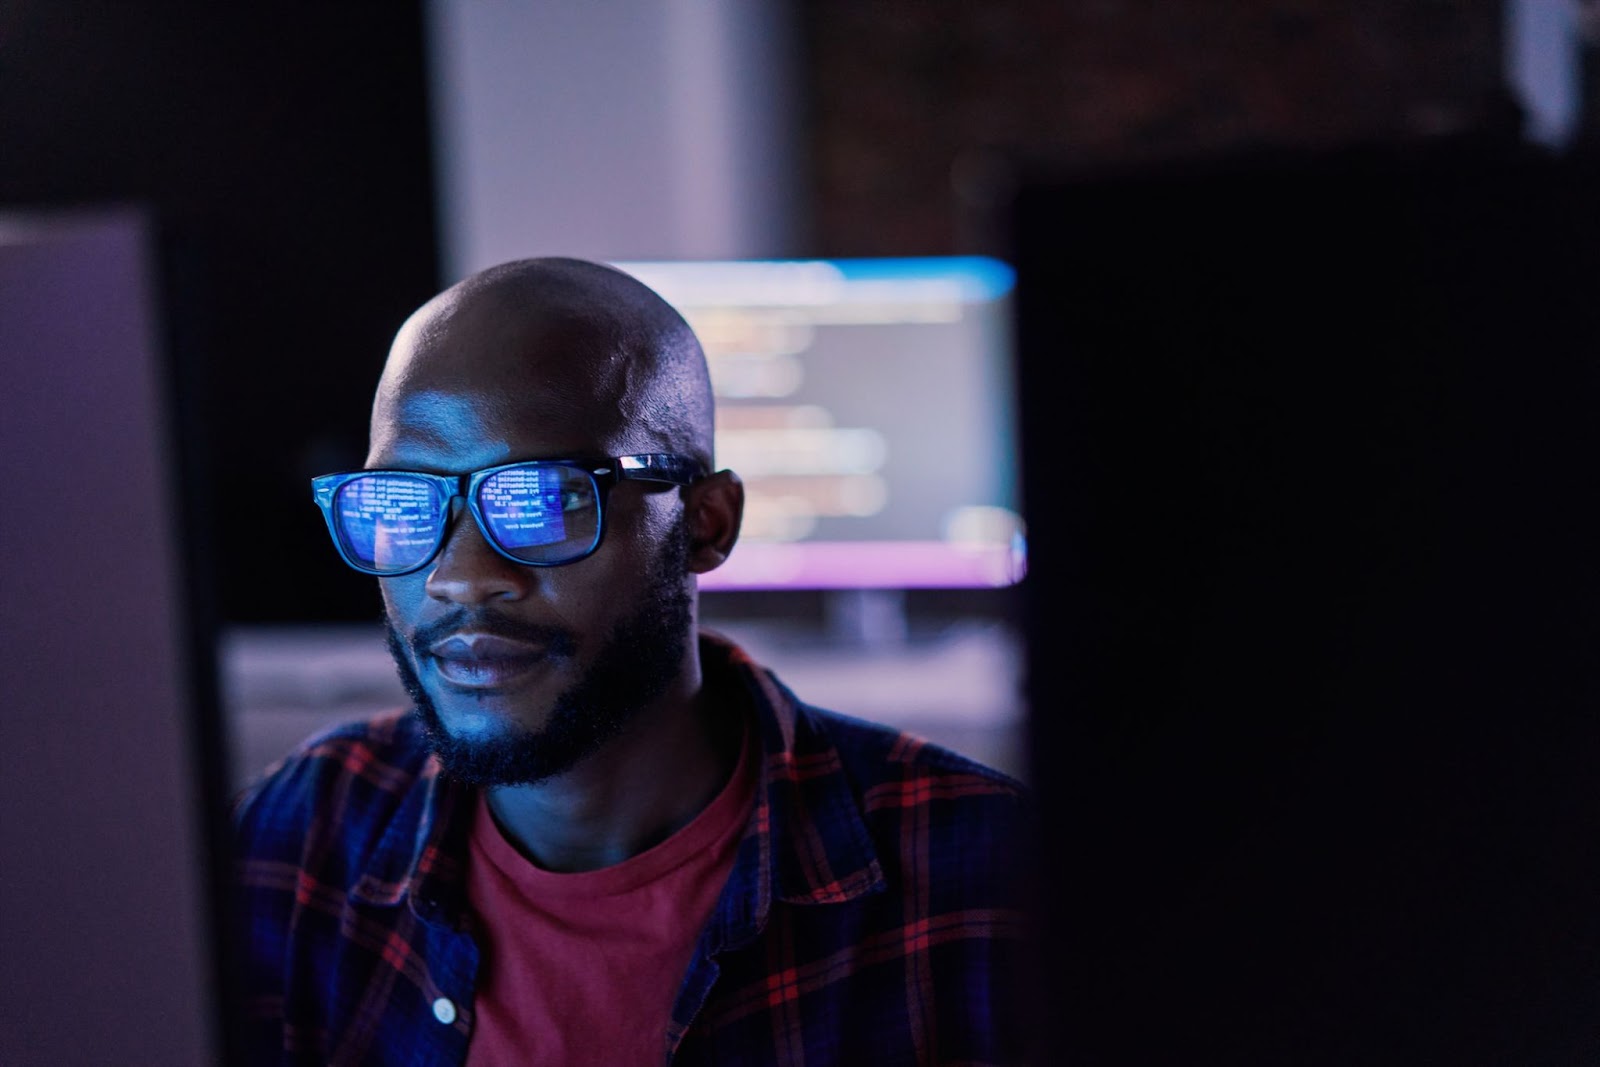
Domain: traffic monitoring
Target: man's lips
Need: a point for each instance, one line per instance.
(485, 661)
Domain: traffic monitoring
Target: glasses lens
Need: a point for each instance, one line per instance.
(388, 522)
(541, 513)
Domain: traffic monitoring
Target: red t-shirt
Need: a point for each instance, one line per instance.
(584, 968)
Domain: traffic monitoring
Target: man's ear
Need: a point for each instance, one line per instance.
(715, 507)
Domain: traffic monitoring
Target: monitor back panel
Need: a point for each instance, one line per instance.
(1310, 467)
(103, 810)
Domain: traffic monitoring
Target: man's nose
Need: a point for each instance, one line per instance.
(469, 571)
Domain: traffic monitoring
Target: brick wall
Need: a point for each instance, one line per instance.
(921, 109)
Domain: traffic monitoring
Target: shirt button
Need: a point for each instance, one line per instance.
(444, 1010)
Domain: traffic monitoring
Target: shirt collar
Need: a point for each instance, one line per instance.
(420, 858)
(806, 842)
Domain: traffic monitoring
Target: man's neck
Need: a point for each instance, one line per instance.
(652, 779)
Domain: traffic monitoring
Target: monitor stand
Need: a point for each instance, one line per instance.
(868, 619)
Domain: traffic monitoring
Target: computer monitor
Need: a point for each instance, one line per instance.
(867, 405)
(112, 800)
(1313, 603)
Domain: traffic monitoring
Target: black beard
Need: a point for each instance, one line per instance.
(641, 657)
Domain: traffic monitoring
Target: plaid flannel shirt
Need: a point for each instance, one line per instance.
(872, 915)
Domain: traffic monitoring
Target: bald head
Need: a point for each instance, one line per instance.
(553, 360)
(578, 348)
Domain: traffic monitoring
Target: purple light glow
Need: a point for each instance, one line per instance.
(867, 565)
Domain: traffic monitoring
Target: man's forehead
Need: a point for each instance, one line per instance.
(488, 341)
(470, 427)
(486, 367)
(432, 418)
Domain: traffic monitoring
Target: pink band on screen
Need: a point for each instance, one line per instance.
(866, 565)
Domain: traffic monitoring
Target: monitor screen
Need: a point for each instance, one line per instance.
(867, 406)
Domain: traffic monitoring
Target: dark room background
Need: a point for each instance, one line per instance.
(287, 154)
(1307, 348)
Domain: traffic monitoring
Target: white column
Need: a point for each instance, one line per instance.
(1543, 57)
(623, 129)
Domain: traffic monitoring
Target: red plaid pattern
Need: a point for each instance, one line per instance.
(872, 915)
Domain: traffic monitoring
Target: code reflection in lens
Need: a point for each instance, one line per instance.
(523, 505)
(389, 522)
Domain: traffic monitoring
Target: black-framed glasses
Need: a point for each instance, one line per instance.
(542, 512)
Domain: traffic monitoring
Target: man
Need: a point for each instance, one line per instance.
(599, 838)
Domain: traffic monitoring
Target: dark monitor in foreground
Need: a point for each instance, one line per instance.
(1310, 447)
(112, 783)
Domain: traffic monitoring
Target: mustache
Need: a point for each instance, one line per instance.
(556, 641)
